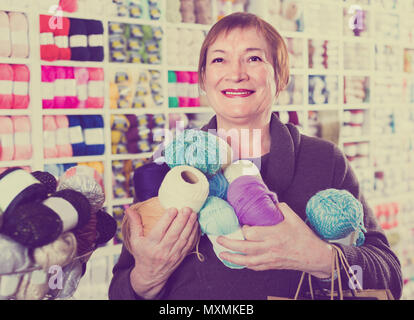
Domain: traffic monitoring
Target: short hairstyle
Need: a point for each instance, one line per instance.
(275, 42)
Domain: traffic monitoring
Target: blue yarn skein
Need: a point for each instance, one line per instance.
(217, 218)
(334, 214)
(218, 185)
(198, 149)
(76, 136)
(92, 126)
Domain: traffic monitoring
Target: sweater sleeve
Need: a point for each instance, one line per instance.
(380, 266)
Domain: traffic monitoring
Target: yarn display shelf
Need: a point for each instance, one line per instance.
(16, 163)
(357, 106)
(131, 66)
(74, 159)
(289, 107)
(122, 201)
(131, 156)
(138, 111)
(322, 107)
(298, 71)
(363, 138)
(72, 63)
(323, 72)
(183, 68)
(11, 60)
(72, 111)
(16, 112)
(154, 23)
(188, 25)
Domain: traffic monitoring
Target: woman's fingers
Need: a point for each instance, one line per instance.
(136, 228)
(175, 231)
(158, 232)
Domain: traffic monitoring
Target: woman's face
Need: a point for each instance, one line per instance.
(239, 77)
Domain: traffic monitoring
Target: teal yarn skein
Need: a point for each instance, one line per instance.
(217, 218)
(199, 149)
(218, 185)
(334, 214)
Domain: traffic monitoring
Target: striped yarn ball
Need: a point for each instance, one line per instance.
(199, 149)
(334, 214)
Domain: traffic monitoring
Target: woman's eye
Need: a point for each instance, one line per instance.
(217, 60)
(255, 58)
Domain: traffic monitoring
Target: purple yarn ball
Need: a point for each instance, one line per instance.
(253, 202)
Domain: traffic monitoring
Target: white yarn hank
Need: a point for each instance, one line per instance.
(241, 168)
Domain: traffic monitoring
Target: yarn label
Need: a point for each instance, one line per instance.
(48, 90)
(65, 210)
(70, 87)
(96, 88)
(94, 136)
(12, 184)
(6, 86)
(78, 40)
(59, 87)
(22, 139)
(6, 140)
(46, 38)
(49, 139)
(82, 91)
(62, 41)
(21, 88)
(76, 135)
(62, 136)
(95, 40)
(5, 35)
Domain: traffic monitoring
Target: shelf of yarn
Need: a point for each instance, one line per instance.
(15, 35)
(293, 93)
(134, 43)
(190, 11)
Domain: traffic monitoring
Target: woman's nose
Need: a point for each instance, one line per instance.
(237, 72)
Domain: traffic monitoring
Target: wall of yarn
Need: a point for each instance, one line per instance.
(388, 90)
(286, 15)
(323, 54)
(293, 94)
(136, 133)
(355, 123)
(72, 87)
(136, 90)
(137, 9)
(70, 39)
(181, 45)
(323, 89)
(226, 7)
(387, 58)
(58, 169)
(322, 18)
(183, 89)
(122, 177)
(14, 86)
(73, 136)
(392, 150)
(324, 124)
(295, 48)
(357, 56)
(357, 154)
(409, 60)
(387, 214)
(134, 43)
(393, 179)
(387, 26)
(189, 11)
(356, 89)
(14, 30)
(15, 138)
(118, 214)
(356, 22)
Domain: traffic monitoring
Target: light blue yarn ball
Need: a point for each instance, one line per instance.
(195, 148)
(218, 185)
(217, 217)
(334, 214)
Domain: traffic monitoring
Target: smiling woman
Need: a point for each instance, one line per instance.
(242, 68)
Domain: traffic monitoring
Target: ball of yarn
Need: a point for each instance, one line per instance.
(253, 202)
(184, 186)
(335, 214)
(199, 149)
(33, 225)
(105, 226)
(60, 252)
(87, 181)
(13, 256)
(241, 168)
(148, 179)
(47, 179)
(218, 185)
(217, 218)
(86, 237)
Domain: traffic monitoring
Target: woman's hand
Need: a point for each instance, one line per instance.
(159, 253)
(290, 244)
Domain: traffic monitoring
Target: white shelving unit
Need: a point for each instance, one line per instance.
(260, 7)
